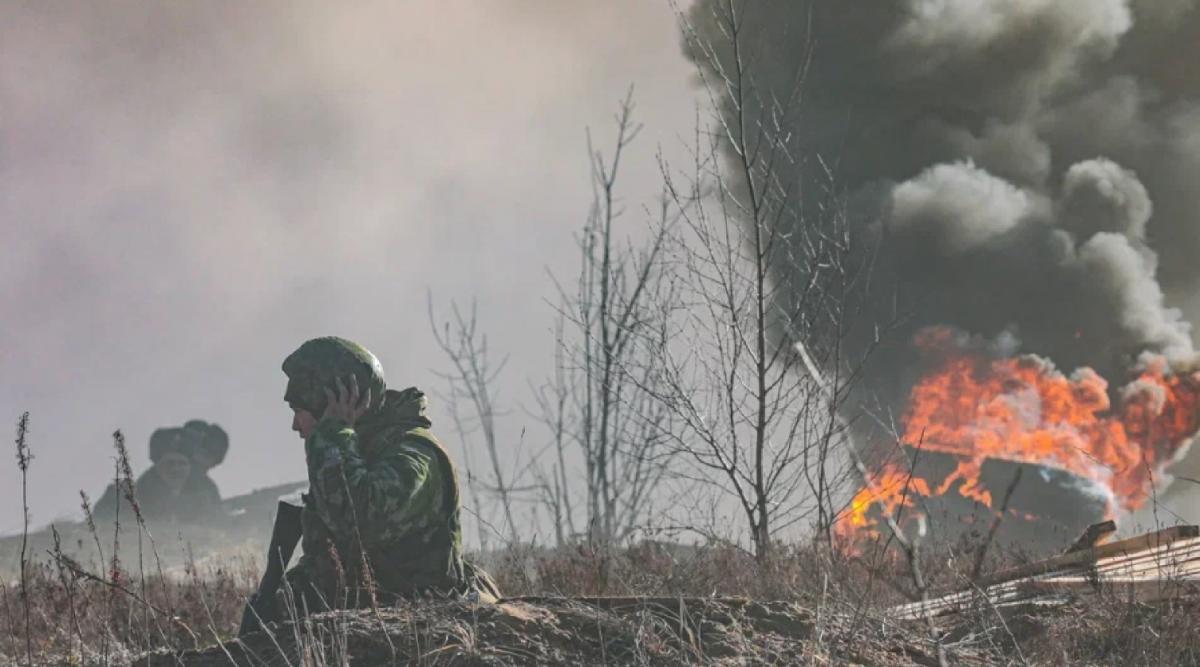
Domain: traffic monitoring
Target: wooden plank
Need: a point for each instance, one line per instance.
(1023, 592)
(1181, 559)
(1085, 556)
(1177, 561)
(1144, 566)
(1141, 590)
(1174, 556)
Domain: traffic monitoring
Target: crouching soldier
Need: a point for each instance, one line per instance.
(160, 490)
(381, 518)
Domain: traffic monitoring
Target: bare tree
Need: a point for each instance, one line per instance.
(552, 399)
(599, 402)
(751, 362)
(472, 380)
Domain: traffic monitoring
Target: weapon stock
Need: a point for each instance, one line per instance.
(261, 607)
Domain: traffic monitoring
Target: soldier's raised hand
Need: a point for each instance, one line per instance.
(347, 405)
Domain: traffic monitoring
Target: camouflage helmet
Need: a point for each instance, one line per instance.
(209, 438)
(166, 440)
(316, 365)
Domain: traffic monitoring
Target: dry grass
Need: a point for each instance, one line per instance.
(1113, 631)
(79, 613)
(92, 614)
(110, 598)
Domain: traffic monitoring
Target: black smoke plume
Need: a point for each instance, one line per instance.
(1024, 167)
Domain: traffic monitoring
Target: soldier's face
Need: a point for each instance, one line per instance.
(303, 422)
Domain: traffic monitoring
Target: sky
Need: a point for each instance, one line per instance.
(188, 191)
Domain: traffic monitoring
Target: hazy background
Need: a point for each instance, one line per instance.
(190, 190)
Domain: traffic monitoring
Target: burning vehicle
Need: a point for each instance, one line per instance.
(1015, 441)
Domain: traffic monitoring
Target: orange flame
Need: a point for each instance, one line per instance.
(1021, 409)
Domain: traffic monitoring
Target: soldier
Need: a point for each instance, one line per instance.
(207, 445)
(382, 513)
(159, 489)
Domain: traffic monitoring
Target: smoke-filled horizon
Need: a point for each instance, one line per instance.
(190, 190)
(1025, 168)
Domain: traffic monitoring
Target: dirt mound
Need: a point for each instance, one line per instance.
(561, 631)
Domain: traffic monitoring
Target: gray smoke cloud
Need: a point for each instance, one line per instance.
(188, 190)
(1023, 165)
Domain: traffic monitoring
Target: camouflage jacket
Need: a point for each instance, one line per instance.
(383, 499)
